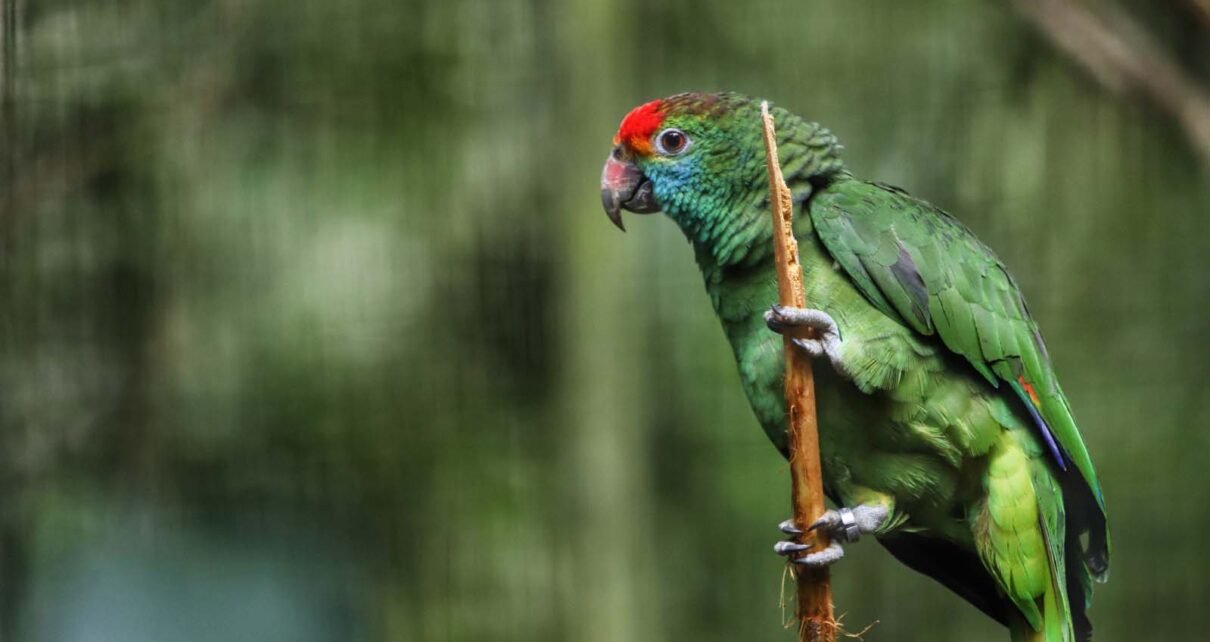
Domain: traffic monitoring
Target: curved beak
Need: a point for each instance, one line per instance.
(624, 187)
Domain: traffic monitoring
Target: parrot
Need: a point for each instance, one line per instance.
(943, 432)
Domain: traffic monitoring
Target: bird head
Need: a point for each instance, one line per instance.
(679, 154)
(700, 158)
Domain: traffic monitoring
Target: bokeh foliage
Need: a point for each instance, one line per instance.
(313, 328)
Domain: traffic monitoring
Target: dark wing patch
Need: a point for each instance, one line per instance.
(904, 271)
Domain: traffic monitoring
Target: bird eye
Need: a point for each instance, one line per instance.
(671, 142)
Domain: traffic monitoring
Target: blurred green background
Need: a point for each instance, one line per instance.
(313, 328)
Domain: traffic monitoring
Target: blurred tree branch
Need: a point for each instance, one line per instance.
(1203, 10)
(1120, 56)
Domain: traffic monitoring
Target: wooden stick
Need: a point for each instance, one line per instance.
(814, 613)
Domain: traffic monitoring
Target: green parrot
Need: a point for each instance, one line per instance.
(943, 430)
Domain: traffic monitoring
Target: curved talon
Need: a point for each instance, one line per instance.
(842, 521)
(828, 521)
(780, 318)
(789, 528)
(775, 320)
(789, 548)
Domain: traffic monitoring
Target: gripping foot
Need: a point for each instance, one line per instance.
(844, 525)
(795, 322)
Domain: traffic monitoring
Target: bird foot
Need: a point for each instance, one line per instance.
(849, 524)
(844, 525)
(789, 549)
(794, 322)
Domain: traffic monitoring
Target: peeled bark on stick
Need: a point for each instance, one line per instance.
(814, 608)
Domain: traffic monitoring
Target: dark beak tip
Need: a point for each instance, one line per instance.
(613, 207)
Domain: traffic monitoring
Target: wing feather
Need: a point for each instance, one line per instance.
(919, 265)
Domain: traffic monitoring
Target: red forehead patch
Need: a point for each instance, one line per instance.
(638, 126)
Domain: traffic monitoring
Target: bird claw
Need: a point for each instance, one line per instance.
(845, 525)
(784, 319)
(849, 524)
(786, 548)
(777, 319)
(827, 557)
(789, 528)
(792, 322)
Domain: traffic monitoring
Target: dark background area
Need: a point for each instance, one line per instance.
(312, 327)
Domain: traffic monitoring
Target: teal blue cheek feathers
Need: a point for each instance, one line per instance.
(677, 183)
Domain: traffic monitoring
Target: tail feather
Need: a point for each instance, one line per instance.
(1079, 586)
(1079, 591)
(1087, 560)
(1085, 514)
(1023, 537)
(1066, 601)
(1020, 631)
(1056, 613)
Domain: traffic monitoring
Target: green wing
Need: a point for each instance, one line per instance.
(917, 264)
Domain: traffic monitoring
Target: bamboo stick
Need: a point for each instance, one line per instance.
(814, 612)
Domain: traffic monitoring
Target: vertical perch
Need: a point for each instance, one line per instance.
(814, 612)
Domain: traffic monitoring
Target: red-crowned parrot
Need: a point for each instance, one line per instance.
(943, 430)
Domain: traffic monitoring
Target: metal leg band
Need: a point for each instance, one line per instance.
(848, 521)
